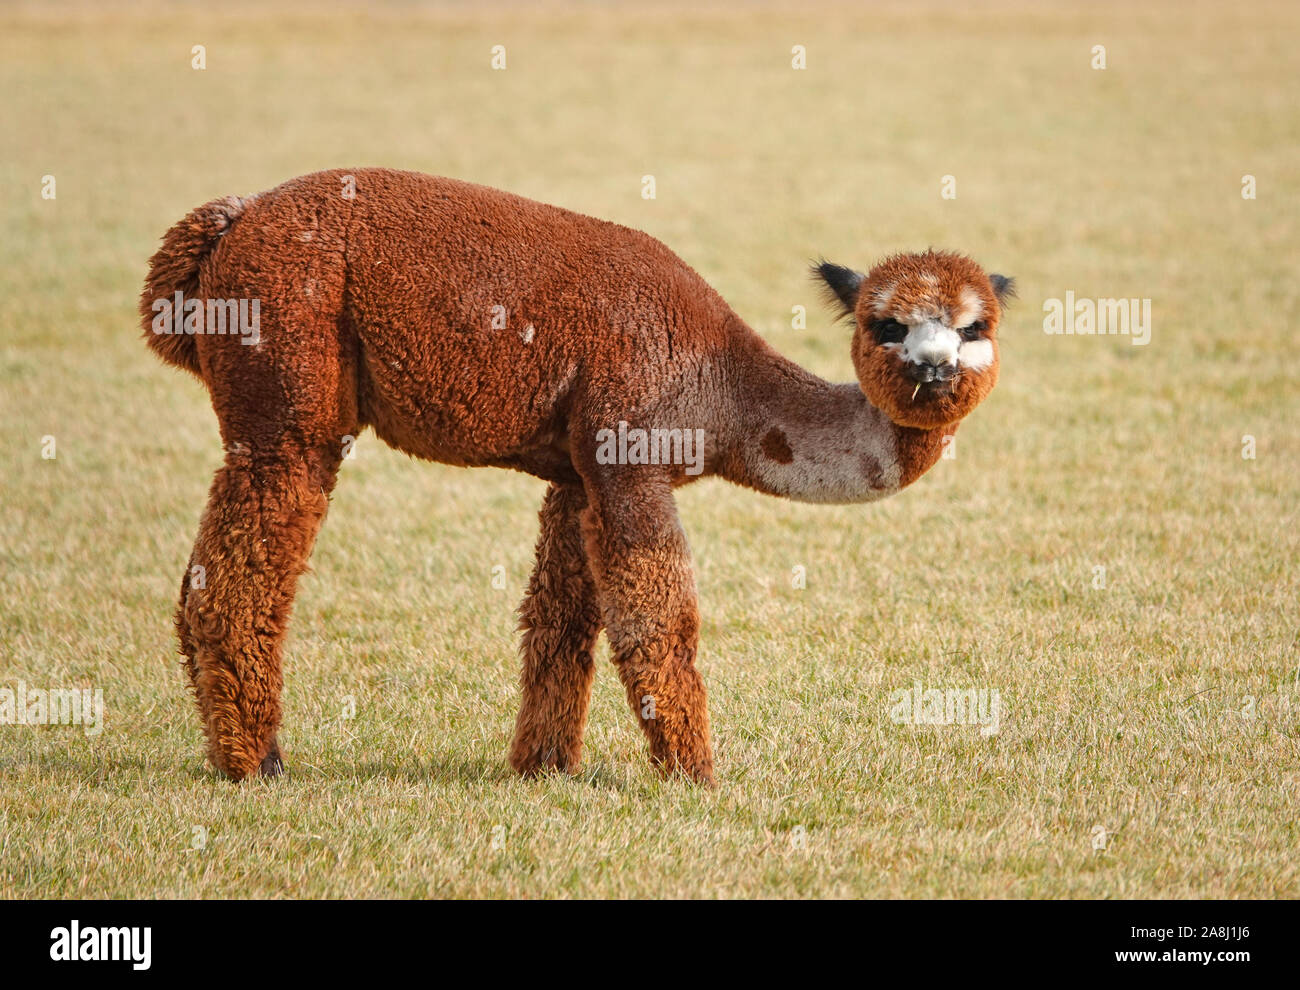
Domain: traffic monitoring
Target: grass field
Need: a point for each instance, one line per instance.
(1148, 737)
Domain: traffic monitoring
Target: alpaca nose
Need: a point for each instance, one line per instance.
(930, 371)
(931, 349)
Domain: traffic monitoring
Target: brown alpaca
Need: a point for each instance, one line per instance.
(472, 327)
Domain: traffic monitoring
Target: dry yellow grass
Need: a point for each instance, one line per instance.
(1160, 708)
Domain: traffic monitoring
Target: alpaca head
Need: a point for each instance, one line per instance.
(925, 342)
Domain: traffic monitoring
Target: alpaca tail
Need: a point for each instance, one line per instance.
(175, 269)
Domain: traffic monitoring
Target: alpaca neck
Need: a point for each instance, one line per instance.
(803, 438)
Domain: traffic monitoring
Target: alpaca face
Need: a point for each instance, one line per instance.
(925, 345)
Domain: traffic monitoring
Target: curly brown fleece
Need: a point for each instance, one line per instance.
(473, 327)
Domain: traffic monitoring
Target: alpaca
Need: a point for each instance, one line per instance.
(473, 327)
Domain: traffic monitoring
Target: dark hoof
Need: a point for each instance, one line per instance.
(543, 762)
(272, 763)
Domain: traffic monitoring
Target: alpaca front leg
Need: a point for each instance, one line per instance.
(646, 585)
(254, 542)
(560, 621)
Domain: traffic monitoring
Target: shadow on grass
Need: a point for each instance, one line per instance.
(453, 768)
(440, 768)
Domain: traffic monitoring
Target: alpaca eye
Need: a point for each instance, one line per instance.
(973, 331)
(889, 331)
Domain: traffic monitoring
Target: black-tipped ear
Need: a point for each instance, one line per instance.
(843, 284)
(1004, 289)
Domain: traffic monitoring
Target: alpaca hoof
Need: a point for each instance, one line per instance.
(271, 767)
(696, 773)
(541, 763)
(702, 777)
(272, 763)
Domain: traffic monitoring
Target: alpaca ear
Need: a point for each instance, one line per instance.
(1004, 289)
(843, 285)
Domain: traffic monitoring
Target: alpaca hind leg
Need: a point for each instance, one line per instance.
(286, 404)
(254, 541)
(272, 764)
